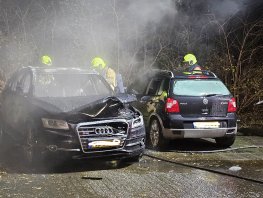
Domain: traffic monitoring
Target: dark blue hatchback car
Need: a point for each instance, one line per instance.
(192, 105)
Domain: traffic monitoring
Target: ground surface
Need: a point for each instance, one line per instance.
(151, 177)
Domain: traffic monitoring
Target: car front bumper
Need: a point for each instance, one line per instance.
(69, 145)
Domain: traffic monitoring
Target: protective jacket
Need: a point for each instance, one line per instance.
(195, 67)
(110, 76)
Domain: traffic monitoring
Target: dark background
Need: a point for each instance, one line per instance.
(134, 35)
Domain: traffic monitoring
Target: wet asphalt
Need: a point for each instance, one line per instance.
(155, 175)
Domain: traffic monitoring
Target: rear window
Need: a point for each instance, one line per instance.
(199, 87)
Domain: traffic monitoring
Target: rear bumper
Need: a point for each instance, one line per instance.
(176, 126)
(199, 133)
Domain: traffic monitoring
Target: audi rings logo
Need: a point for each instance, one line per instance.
(103, 130)
(205, 101)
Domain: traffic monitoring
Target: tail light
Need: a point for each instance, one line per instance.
(232, 106)
(172, 106)
(197, 77)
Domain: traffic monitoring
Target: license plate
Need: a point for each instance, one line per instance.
(104, 143)
(206, 125)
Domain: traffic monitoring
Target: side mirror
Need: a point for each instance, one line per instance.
(145, 98)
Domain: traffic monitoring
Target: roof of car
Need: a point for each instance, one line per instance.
(72, 70)
(198, 74)
(202, 74)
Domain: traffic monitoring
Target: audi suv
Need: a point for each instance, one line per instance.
(68, 111)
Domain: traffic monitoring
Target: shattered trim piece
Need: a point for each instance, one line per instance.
(95, 115)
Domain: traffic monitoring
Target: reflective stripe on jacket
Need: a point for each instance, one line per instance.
(111, 77)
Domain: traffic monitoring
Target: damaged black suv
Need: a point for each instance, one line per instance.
(69, 110)
(185, 105)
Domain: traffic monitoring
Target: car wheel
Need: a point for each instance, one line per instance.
(32, 153)
(133, 159)
(3, 137)
(225, 141)
(156, 139)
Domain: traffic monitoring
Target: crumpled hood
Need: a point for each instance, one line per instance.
(107, 107)
(63, 105)
(88, 107)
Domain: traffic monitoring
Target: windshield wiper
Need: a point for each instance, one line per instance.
(210, 95)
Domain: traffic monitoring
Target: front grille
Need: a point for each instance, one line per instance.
(97, 131)
(107, 130)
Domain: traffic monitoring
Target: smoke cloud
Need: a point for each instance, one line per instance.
(125, 33)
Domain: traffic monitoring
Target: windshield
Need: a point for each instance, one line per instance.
(199, 88)
(69, 85)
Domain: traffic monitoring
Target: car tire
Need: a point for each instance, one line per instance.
(2, 136)
(156, 140)
(225, 142)
(4, 141)
(133, 159)
(32, 153)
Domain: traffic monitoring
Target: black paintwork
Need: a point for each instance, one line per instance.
(192, 108)
(20, 109)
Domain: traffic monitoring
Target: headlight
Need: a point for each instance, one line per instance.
(137, 122)
(55, 124)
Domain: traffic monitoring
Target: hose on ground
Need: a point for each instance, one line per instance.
(221, 150)
(207, 169)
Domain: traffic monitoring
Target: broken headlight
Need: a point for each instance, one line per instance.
(137, 122)
(55, 124)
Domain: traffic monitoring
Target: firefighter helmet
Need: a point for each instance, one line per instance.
(190, 58)
(46, 60)
(98, 63)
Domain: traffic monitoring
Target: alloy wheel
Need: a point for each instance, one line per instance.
(154, 133)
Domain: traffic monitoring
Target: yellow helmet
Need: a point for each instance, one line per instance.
(46, 60)
(98, 63)
(190, 58)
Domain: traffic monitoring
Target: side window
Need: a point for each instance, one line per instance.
(164, 86)
(153, 87)
(26, 82)
(16, 84)
(20, 83)
(99, 86)
(139, 86)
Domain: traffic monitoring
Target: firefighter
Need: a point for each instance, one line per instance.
(108, 73)
(190, 63)
(46, 60)
(46, 79)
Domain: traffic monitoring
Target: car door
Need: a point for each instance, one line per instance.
(149, 101)
(137, 89)
(23, 104)
(13, 102)
(9, 100)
